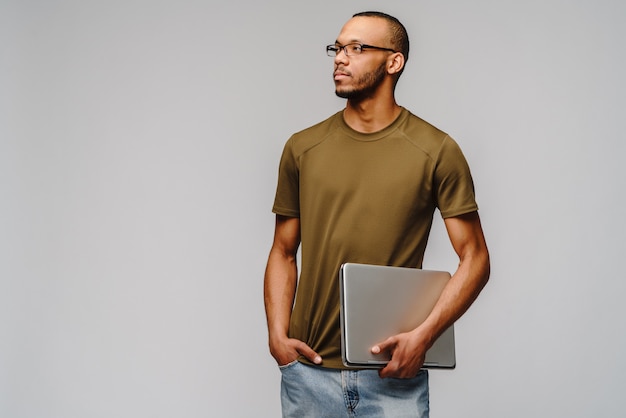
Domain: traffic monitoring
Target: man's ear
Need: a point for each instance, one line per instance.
(395, 63)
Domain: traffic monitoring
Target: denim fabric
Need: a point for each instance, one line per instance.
(309, 391)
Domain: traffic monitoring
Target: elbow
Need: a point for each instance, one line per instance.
(485, 268)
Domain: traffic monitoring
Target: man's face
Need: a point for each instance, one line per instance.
(359, 76)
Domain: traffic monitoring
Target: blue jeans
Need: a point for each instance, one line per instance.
(316, 392)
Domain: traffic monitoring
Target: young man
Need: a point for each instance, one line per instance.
(362, 186)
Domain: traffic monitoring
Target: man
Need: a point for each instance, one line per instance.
(362, 186)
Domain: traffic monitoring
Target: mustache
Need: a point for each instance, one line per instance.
(341, 70)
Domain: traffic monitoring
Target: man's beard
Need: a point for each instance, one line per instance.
(366, 85)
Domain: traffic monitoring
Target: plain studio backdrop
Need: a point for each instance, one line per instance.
(139, 146)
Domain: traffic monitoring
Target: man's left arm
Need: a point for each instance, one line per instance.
(408, 350)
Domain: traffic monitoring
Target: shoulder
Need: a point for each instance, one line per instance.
(421, 132)
(425, 136)
(308, 138)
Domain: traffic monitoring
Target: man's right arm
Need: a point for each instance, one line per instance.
(281, 276)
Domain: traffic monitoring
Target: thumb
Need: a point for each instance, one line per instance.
(386, 345)
(308, 352)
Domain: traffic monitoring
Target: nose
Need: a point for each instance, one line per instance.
(341, 56)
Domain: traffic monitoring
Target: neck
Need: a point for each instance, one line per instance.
(368, 115)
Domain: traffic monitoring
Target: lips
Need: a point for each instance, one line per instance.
(340, 74)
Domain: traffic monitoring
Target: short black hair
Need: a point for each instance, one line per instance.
(398, 35)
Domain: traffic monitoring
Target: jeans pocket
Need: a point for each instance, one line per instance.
(288, 365)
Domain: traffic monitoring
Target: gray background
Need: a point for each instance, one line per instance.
(138, 155)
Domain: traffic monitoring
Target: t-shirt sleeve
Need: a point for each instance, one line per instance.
(286, 201)
(454, 187)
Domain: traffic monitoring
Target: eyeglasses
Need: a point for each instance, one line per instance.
(351, 49)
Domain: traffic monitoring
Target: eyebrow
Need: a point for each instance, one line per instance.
(349, 42)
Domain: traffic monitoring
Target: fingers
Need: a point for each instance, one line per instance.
(402, 368)
(387, 345)
(291, 349)
(405, 360)
(308, 352)
(392, 369)
(386, 372)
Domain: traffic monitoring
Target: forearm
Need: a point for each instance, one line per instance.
(409, 349)
(472, 274)
(459, 294)
(279, 291)
(281, 278)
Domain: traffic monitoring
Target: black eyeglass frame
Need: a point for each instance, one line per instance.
(334, 49)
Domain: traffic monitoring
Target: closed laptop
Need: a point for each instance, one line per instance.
(380, 301)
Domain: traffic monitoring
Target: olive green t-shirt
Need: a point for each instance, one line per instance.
(363, 198)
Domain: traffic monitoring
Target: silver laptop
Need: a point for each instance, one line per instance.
(380, 301)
